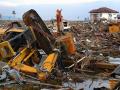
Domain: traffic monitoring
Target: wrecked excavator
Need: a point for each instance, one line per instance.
(36, 51)
(10, 30)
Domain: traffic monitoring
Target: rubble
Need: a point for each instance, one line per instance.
(91, 60)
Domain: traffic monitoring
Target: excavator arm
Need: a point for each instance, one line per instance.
(25, 61)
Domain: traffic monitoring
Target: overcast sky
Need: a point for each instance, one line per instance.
(71, 9)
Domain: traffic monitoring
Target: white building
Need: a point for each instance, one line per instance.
(103, 13)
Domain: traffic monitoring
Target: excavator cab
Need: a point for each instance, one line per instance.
(12, 46)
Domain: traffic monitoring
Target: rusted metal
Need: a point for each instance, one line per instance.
(45, 40)
(105, 65)
(113, 84)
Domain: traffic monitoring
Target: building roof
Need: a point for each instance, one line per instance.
(103, 10)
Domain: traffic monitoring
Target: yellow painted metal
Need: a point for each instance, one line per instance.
(15, 30)
(26, 68)
(48, 65)
(31, 53)
(33, 33)
(6, 50)
(3, 30)
(21, 56)
(19, 63)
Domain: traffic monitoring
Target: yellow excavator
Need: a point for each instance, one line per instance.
(12, 27)
(35, 51)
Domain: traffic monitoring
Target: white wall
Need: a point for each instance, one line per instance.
(108, 16)
(105, 15)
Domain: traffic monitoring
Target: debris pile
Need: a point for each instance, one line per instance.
(83, 53)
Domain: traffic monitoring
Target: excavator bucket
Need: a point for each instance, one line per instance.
(45, 40)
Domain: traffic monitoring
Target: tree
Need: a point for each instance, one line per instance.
(14, 13)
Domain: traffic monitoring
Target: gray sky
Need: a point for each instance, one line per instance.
(71, 9)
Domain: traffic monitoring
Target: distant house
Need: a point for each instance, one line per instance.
(103, 13)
